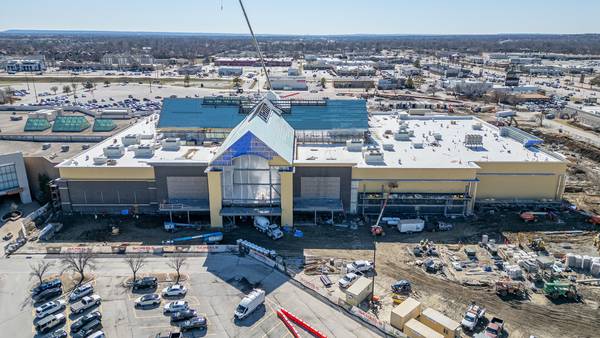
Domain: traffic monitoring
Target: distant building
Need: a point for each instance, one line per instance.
(253, 62)
(190, 70)
(512, 77)
(391, 83)
(447, 71)
(353, 82)
(13, 177)
(25, 64)
(288, 83)
(128, 61)
(230, 71)
(355, 70)
(293, 71)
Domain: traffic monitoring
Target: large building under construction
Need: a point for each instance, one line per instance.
(301, 160)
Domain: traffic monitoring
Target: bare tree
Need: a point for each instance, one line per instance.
(79, 262)
(39, 270)
(135, 263)
(176, 263)
(54, 89)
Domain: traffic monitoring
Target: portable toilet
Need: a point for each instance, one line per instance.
(405, 311)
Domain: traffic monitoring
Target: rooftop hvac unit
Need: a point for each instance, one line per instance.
(146, 136)
(170, 144)
(388, 146)
(111, 162)
(114, 150)
(130, 139)
(144, 150)
(355, 145)
(373, 155)
(477, 126)
(473, 140)
(437, 136)
(403, 115)
(100, 160)
(403, 134)
(417, 145)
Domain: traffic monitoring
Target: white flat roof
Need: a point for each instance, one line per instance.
(146, 126)
(451, 152)
(448, 152)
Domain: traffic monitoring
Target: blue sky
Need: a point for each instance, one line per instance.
(307, 16)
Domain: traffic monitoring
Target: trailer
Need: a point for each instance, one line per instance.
(172, 226)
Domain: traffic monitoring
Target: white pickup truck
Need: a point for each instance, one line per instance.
(472, 316)
(85, 303)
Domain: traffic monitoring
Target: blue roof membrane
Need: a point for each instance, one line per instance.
(337, 114)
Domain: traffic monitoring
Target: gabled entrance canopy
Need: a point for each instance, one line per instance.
(264, 132)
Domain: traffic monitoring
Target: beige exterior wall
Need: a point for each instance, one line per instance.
(427, 180)
(287, 197)
(215, 198)
(107, 173)
(522, 180)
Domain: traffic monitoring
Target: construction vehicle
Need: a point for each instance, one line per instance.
(594, 219)
(531, 216)
(555, 290)
(472, 316)
(506, 287)
(494, 329)
(377, 230)
(537, 244)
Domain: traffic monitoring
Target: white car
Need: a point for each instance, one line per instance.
(174, 290)
(49, 308)
(80, 292)
(179, 305)
(147, 300)
(347, 280)
(359, 266)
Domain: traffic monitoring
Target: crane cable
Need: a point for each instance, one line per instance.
(262, 60)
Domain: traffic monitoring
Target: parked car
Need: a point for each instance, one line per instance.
(250, 303)
(359, 266)
(401, 286)
(81, 291)
(52, 284)
(147, 300)
(48, 294)
(49, 308)
(85, 303)
(80, 323)
(175, 306)
(174, 290)
(88, 329)
(97, 334)
(47, 323)
(145, 283)
(194, 323)
(347, 280)
(59, 334)
(183, 315)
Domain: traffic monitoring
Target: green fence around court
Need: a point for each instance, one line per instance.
(36, 124)
(70, 124)
(104, 125)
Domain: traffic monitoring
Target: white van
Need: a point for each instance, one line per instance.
(252, 301)
(47, 323)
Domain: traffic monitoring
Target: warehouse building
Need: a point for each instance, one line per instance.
(300, 160)
(288, 83)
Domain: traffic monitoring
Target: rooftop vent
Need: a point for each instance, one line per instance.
(113, 151)
(144, 151)
(388, 146)
(477, 126)
(373, 155)
(403, 134)
(130, 139)
(355, 144)
(100, 160)
(417, 145)
(170, 144)
(437, 136)
(473, 140)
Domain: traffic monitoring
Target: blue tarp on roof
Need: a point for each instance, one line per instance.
(190, 113)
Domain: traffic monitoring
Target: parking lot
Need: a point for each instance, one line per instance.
(216, 284)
